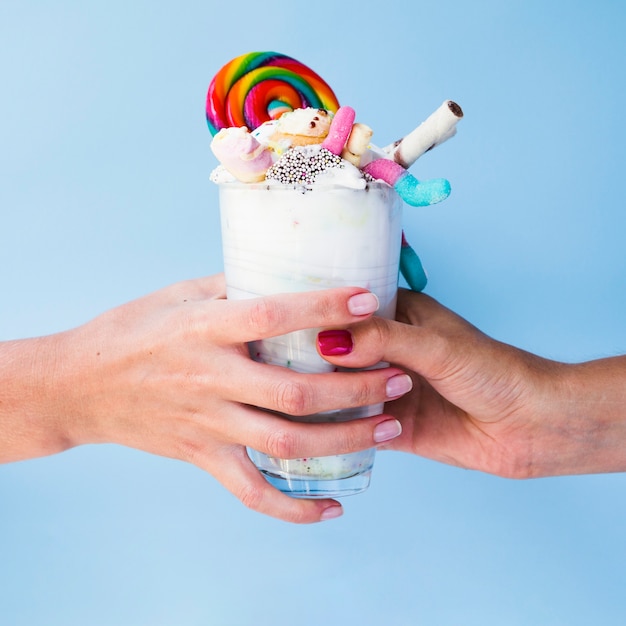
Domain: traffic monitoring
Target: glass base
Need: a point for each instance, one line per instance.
(317, 477)
(299, 487)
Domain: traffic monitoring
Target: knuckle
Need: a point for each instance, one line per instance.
(292, 398)
(186, 323)
(381, 331)
(262, 500)
(281, 444)
(297, 516)
(325, 309)
(362, 395)
(264, 316)
(348, 440)
(188, 451)
(251, 497)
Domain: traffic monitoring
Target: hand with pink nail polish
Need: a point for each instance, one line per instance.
(481, 404)
(171, 374)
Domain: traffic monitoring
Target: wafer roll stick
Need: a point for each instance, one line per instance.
(440, 126)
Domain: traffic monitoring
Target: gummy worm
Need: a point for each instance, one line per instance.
(339, 130)
(411, 267)
(411, 190)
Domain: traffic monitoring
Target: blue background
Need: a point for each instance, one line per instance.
(104, 196)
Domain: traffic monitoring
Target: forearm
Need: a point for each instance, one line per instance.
(32, 418)
(588, 422)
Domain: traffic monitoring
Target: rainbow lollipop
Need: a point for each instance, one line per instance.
(260, 86)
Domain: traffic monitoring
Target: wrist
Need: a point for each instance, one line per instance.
(584, 426)
(33, 417)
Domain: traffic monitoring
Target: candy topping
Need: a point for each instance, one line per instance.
(301, 165)
(275, 119)
(241, 154)
(260, 86)
(411, 190)
(339, 130)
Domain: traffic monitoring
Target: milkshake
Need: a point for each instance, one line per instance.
(308, 202)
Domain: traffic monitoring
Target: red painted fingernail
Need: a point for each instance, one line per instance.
(335, 342)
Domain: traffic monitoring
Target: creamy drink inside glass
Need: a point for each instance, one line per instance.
(279, 239)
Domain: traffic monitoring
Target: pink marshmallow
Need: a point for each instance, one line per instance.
(339, 130)
(241, 154)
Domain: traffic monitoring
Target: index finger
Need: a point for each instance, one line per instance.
(271, 316)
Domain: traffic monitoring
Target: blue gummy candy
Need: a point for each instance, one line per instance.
(412, 269)
(422, 193)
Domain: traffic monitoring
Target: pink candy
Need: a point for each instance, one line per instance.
(339, 130)
(385, 169)
(241, 154)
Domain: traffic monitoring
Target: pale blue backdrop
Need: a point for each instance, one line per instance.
(104, 196)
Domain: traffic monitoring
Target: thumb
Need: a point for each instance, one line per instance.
(367, 343)
(430, 340)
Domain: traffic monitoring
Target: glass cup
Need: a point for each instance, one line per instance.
(280, 240)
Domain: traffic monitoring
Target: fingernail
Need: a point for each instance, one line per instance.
(363, 304)
(335, 342)
(331, 512)
(387, 430)
(398, 385)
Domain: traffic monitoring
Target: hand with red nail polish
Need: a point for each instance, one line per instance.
(481, 404)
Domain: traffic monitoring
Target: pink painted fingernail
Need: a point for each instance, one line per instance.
(398, 385)
(335, 342)
(363, 304)
(332, 512)
(387, 430)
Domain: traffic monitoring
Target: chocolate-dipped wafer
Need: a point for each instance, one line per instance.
(437, 128)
